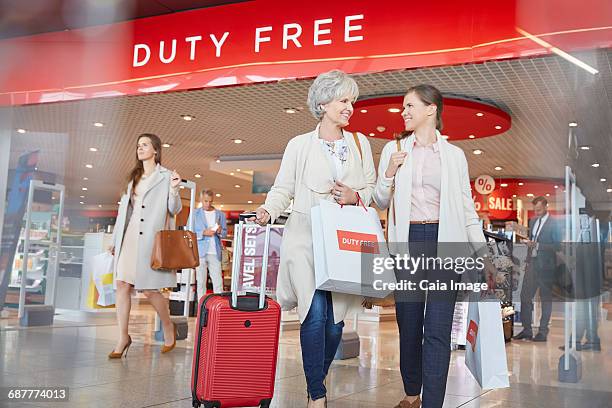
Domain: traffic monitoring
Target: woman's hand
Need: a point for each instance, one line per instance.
(262, 217)
(343, 194)
(175, 180)
(396, 160)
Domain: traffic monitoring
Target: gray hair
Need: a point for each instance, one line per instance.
(330, 86)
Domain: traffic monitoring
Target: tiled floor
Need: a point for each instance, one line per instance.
(73, 354)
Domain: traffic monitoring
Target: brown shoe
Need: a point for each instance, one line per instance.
(406, 404)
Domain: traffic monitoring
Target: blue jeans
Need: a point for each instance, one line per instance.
(320, 338)
(425, 322)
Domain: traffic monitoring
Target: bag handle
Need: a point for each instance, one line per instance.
(358, 143)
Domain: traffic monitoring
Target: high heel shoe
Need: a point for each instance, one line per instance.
(113, 354)
(167, 349)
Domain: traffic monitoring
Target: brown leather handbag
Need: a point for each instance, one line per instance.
(175, 249)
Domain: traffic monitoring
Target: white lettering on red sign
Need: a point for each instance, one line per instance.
(167, 50)
(501, 204)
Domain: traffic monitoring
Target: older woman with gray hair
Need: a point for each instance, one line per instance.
(331, 164)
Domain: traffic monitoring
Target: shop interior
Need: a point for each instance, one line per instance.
(518, 122)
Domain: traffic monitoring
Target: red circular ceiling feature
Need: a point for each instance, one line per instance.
(461, 117)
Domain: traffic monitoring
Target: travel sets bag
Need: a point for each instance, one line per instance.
(236, 347)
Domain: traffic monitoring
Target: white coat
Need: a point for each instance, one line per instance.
(157, 203)
(306, 176)
(459, 222)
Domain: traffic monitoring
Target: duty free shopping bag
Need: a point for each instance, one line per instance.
(344, 239)
(103, 278)
(485, 354)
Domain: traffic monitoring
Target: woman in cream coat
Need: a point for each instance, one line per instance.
(150, 202)
(432, 204)
(325, 164)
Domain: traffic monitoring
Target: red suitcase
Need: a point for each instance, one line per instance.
(234, 362)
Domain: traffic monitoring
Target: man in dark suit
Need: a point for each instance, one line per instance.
(545, 237)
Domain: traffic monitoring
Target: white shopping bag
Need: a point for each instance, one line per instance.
(344, 239)
(103, 278)
(485, 354)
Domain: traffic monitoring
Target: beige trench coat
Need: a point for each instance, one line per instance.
(306, 177)
(157, 203)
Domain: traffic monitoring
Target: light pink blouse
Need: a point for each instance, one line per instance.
(426, 169)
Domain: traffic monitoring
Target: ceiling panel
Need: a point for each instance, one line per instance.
(542, 95)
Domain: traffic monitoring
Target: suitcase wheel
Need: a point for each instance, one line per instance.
(265, 403)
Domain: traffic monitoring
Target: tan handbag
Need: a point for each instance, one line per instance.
(175, 249)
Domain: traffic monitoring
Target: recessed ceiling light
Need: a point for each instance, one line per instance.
(504, 184)
(99, 205)
(89, 166)
(237, 141)
(394, 110)
(197, 175)
(85, 178)
(364, 111)
(603, 179)
(472, 137)
(595, 165)
(218, 160)
(477, 151)
(81, 202)
(547, 194)
(36, 168)
(98, 124)
(237, 185)
(81, 196)
(498, 127)
(573, 124)
(232, 173)
(221, 206)
(290, 110)
(372, 134)
(21, 131)
(513, 195)
(521, 183)
(238, 170)
(84, 188)
(166, 145)
(499, 168)
(529, 195)
(187, 117)
(218, 195)
(585, 147)
(93, 149)
(556, 186)
(480, 114)
(250, 202)
(609, 190)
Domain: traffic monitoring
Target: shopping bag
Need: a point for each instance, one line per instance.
(103, 278)
(485, 354)
(345, 239)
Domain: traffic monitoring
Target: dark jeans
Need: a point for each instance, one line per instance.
(320, 338)
(535, 279)
(425, 325)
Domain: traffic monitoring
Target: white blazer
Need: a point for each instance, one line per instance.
(458, 219)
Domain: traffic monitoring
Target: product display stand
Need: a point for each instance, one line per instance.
(41, 315)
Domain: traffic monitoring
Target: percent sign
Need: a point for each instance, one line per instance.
(484, 184)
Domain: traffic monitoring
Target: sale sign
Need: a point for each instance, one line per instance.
(484, 184)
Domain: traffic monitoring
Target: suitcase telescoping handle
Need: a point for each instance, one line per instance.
(243, 218)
